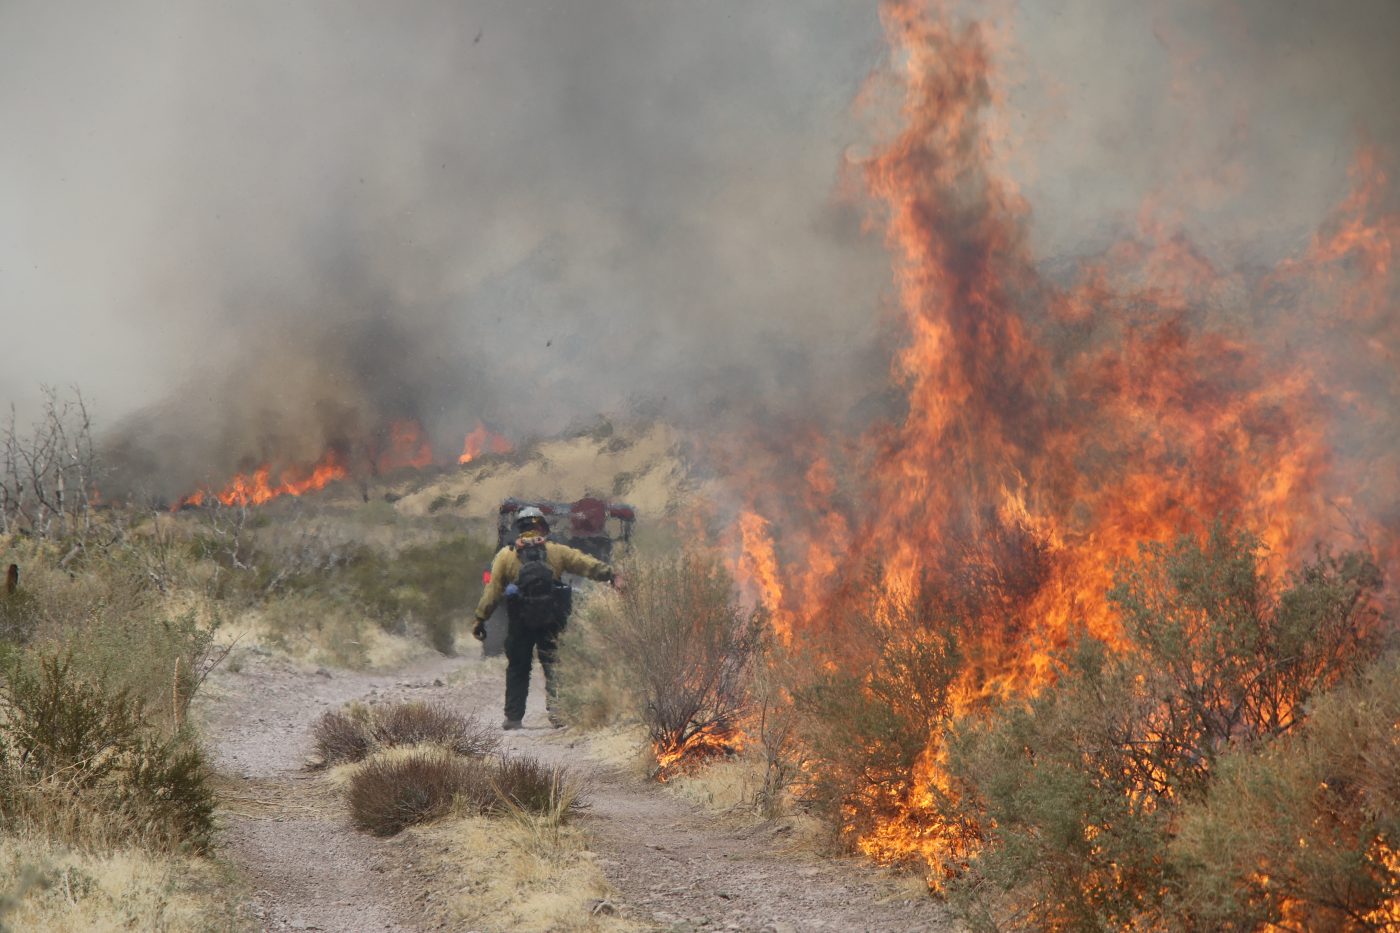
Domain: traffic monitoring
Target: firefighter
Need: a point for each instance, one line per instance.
(527, 575)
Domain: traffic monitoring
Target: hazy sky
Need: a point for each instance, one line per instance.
(234, 217)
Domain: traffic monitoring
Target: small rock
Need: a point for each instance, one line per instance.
(438, 682)
(322, 672)
(602, 908)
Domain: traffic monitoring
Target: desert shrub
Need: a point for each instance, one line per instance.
(1304, 834)
(1079, 790)
(593, 689)
(864, 733)
(388, 794)
(525, 784)
(680, 637)
(341, 737)
(19, 616)
(81, 762)
(101, 613)
(415, 723)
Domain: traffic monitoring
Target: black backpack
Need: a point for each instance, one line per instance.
(540, 600)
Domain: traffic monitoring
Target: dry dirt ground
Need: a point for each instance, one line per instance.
(672, 865)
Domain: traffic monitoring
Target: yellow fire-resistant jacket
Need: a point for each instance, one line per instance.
(561, 559)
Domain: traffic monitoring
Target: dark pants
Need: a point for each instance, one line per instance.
(521, 643)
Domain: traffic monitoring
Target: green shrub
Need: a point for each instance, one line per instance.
(429, 585)
(81, 762)
(1079, 791)
(103, 612)
(1305, 832)
(19, 616)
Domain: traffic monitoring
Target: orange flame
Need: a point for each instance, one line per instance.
(408, 448)
(698, 748)
(258, 487)
(1052, 429)
(480, 441)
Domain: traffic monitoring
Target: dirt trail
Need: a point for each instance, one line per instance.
(672, 865)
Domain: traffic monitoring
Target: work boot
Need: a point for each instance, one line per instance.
(511, 724)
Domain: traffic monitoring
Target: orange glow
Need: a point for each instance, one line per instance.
(481, 441)
(408, 447)
(697, 749)
(258, 486)
(1052, 428)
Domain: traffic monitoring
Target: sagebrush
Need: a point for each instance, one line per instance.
(679, 637)
(1081, 791)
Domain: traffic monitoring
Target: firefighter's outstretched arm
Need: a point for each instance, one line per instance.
(575, 561)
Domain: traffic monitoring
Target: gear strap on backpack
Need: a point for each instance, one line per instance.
(540, 601)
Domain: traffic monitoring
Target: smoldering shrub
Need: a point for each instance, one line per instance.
(679, 637)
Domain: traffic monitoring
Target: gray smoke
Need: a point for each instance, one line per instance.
(256, 229)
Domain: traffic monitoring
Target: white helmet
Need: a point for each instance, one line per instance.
(529, 517)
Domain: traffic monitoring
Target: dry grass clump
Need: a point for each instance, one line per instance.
(79, 762)
(525, 784)
(422, 760)
(419, 723)
(390, 793)
(394, 790)
(512, 875)
(342, 737)
(54, 887)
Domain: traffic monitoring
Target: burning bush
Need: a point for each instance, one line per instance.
(1080, 790)
(679, 636)
(1306, 833)
(866, 733)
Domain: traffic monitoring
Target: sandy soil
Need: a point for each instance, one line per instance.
(672, 864)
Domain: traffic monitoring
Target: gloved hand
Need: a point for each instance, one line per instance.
(479, 630)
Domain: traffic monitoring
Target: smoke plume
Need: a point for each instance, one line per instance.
(256, 230)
